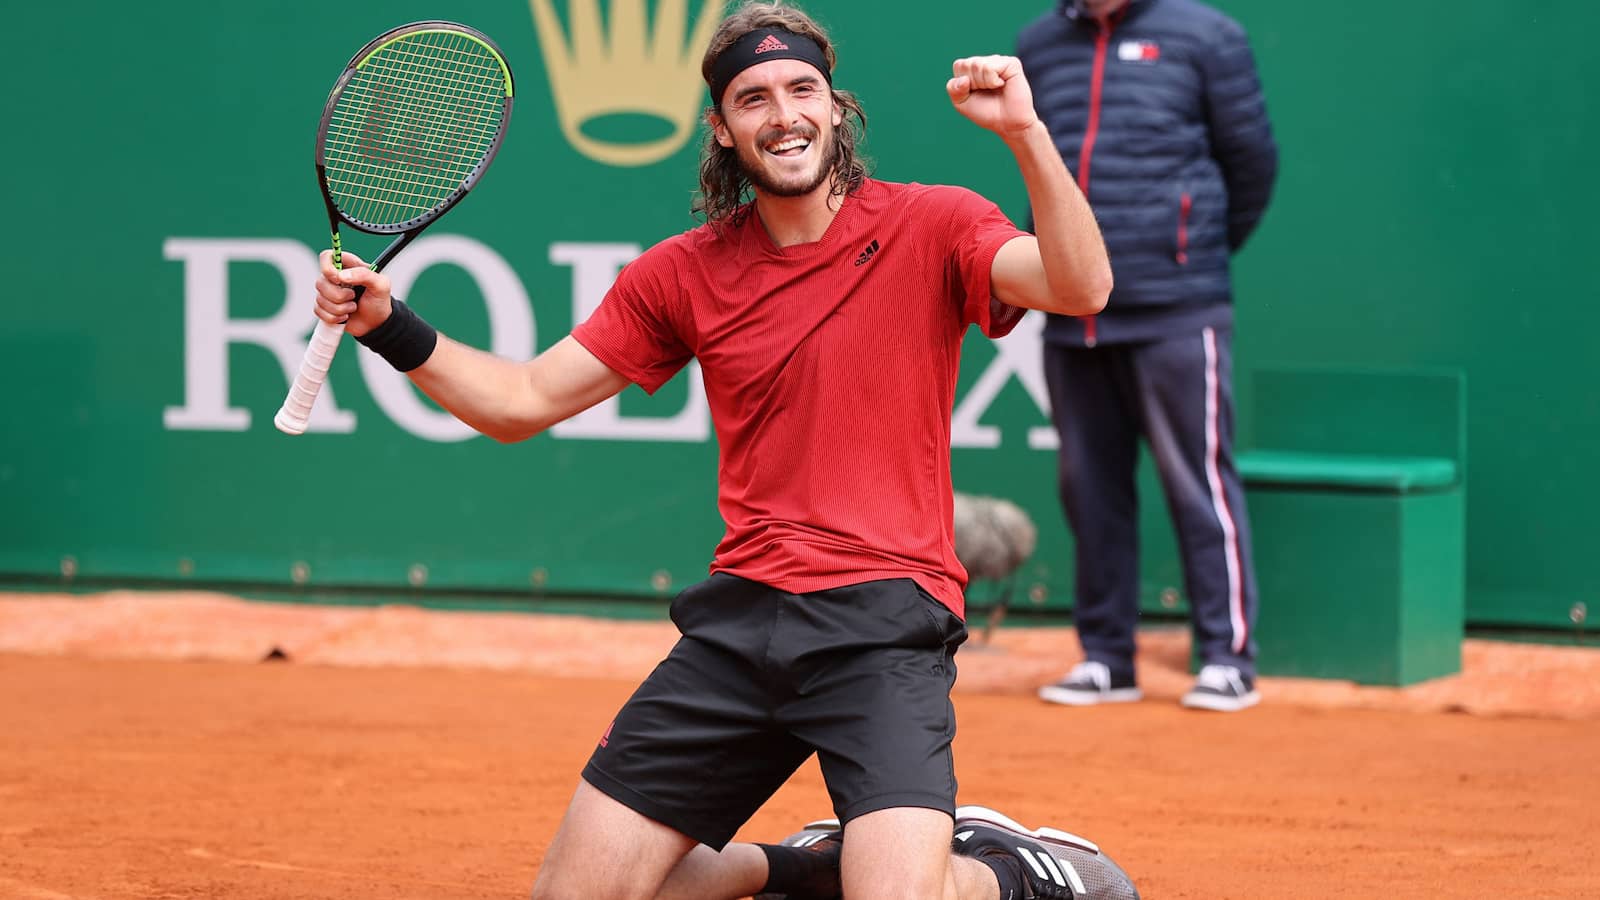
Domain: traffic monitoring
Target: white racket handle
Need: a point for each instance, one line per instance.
(296, 411)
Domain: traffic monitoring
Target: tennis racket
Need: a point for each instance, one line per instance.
(409, 128)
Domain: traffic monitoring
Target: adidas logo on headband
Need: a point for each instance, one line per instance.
(759, 46)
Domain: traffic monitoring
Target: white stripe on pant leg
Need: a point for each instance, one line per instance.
(1219, 500)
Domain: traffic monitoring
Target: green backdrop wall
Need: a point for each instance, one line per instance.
(1435, 208)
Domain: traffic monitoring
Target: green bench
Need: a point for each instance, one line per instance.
(1355, 482)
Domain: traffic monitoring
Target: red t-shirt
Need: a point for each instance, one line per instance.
(830, 369)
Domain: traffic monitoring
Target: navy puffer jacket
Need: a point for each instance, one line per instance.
(1159, 115)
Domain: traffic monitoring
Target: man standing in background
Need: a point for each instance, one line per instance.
(1156, 107)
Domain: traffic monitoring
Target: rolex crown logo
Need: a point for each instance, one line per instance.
(617, 70)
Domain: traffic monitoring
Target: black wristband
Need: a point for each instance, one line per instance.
(403, 340)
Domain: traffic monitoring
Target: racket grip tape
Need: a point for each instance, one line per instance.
(296, 410)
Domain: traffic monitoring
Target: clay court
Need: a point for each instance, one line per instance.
(149, 752)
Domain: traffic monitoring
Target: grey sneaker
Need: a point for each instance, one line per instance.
(1056, 865)
(1222, 689)
(823, 836)
(1090, 683)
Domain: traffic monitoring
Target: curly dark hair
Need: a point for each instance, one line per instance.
(724, 190)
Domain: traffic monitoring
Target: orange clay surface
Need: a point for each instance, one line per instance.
(145, 751)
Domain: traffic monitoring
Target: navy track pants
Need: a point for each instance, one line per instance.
(1177, 393)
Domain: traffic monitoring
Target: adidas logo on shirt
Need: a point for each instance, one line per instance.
(866, 255)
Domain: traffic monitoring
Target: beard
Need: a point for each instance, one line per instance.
(796, 185)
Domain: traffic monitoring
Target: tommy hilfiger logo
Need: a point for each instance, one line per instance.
(866, 255)
(770, 44)
(1139, 51)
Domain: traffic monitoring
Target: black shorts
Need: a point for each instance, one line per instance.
(761, 679)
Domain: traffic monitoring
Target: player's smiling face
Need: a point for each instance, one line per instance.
(779, 118)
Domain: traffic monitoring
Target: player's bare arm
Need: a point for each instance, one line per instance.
(506, 400)
(1063, 268)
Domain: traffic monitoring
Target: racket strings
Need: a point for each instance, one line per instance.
(411, 125)
(410, 156)
(437, 114)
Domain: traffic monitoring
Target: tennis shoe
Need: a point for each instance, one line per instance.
(1090, 683)
(1222, 689)
(1055, 865)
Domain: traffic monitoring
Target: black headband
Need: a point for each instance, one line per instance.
(759, 46)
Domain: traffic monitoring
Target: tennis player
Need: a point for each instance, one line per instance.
(827, 315)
